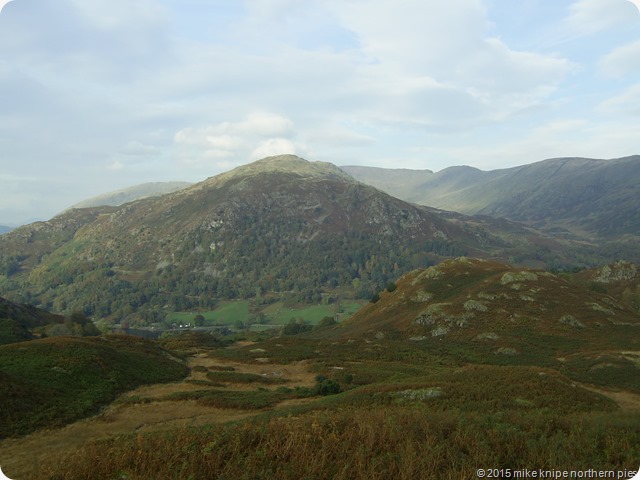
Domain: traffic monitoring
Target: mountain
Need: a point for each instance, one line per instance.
(129, 194)
(5, 229)
(281, 226)
(580, 197)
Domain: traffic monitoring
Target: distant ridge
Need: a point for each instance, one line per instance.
(130, 194)
(5, 229)
(587, 198)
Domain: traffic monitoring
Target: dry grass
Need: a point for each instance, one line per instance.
(378, 443)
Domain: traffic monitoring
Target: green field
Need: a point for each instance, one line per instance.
(228, 313)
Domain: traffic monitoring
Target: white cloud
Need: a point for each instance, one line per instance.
(116, 165)
(626, 103)
(258, 135)
(592, 16)
(263, 123)
(427, 51)
(273, 146)
(622, 60)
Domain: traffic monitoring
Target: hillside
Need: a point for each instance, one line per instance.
(53, 381)
(480, 311)
(584, 198)
(17, 321)
(281, 226)
(621, 280)
(130, 194)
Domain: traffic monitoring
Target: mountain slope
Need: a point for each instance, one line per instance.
(130, 194)
(280, 225)
(587, 197)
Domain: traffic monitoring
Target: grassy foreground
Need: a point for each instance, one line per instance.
(402, 442)
(408, 422)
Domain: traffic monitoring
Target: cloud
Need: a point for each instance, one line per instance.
(622, 60)
(445, 52)
(116, 165)
(626, 103)
(232, 143)
(588, 17)
(273, 146)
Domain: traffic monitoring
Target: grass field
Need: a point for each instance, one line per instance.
(229, 313)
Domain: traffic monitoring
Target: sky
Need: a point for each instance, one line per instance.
(97, 95)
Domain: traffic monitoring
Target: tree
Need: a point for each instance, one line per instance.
(79, 318)
(198, 320)
(291, 328)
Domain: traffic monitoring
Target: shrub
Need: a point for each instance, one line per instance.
(326, 322)
(327, 387)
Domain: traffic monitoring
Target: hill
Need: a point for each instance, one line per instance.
(486, 312)
(621, 280)
(53, 381)
(584, 198)
(5, 229)
(17, 321)
(279, 227)
(130, 194)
